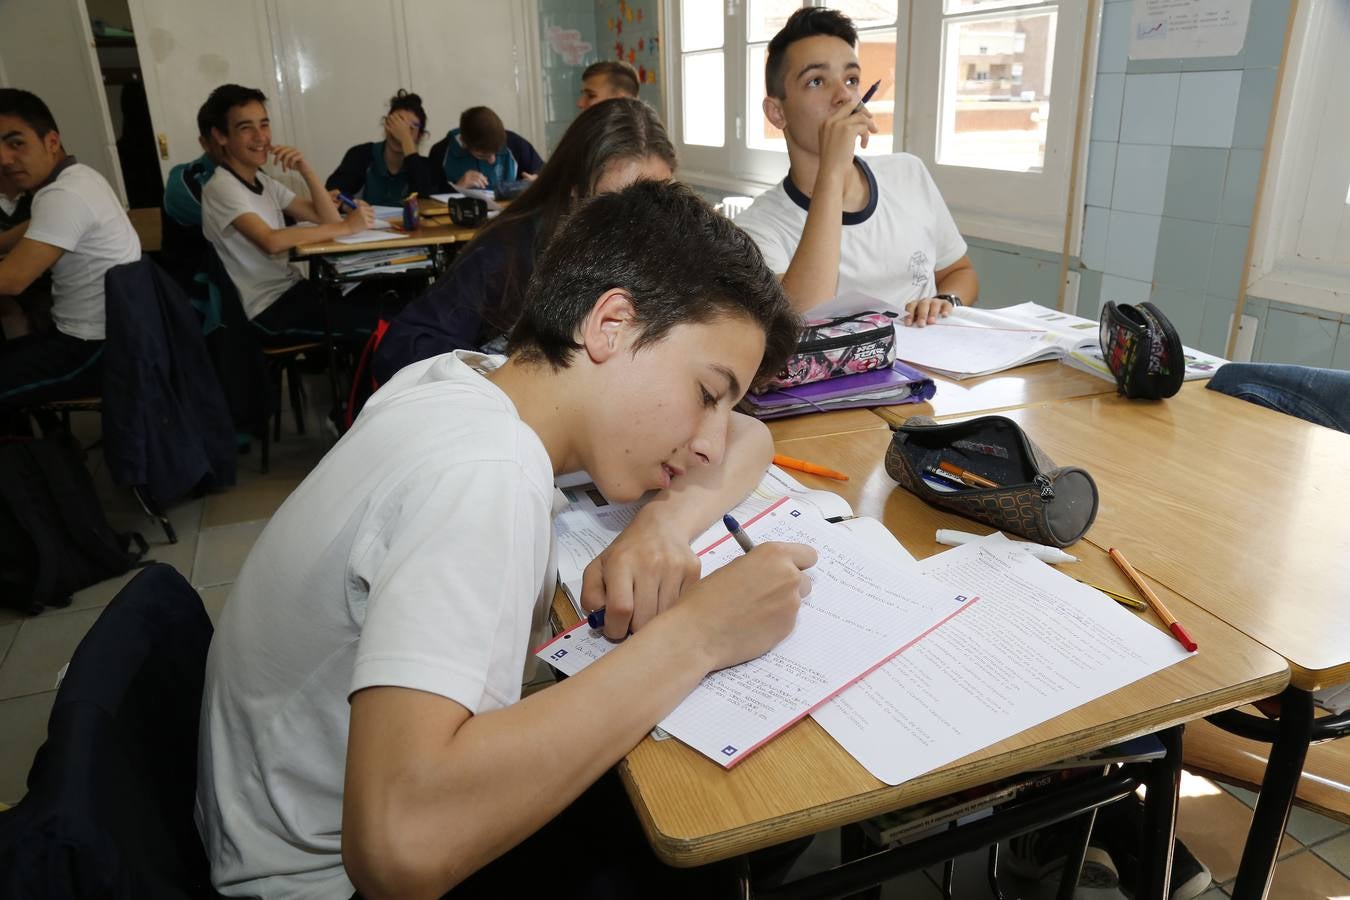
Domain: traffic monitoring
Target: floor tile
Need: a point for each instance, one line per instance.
(23, 728)
(180, 555)
(43, 645)
(1247, 797)
(1310, 827)
(1336, 852)
(11, 616)
(213, 598)
(1213, 893)
(1307, 877)
(7, 635)
(221, 552)
(1213, 825)
(250, 501)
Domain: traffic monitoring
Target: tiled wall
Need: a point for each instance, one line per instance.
(596, 29)
(1175, 154)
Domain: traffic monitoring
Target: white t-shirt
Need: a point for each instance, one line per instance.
(417, 554)
(259, 277)
(888, 251)
(80, 213)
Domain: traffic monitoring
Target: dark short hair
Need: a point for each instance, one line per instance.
(412, 103)
(681, 262)
(29, 107)
(204, 120)
(804, 23)
(622, 76)
(216, 109)
(481, 129)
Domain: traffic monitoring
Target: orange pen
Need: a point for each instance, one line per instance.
(802, 465)
(1168, 619)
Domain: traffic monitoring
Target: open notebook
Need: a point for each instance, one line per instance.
(973, 342)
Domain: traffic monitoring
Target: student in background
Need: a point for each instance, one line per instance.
(243, 212)
(481, 153)
(606, 80)
(475, 304)
(184, 248)
(386, 171)
(32, 309)
(78, 231)
(362, 726)
(837, 223)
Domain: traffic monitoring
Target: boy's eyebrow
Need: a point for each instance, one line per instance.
(11, 134)
(821, 65)
(733, 383)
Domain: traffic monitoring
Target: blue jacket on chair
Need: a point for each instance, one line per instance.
(166, 426)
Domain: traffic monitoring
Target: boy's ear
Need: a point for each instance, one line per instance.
(773, 111)
(52, 141)
(605, 332)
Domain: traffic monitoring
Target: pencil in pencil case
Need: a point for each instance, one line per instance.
(1034, 498)
(829, 348)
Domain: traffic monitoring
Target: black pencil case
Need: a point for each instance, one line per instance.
(1143, 351)
(1035, 498)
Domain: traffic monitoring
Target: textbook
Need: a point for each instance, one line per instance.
(972, 342)
(883, 387)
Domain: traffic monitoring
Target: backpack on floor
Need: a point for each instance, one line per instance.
(54, 538)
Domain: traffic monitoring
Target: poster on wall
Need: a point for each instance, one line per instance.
(1170, 29)
(632, 28)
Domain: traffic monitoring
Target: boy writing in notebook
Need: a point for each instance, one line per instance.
(361, 726)
(838, 224)
(243, 216)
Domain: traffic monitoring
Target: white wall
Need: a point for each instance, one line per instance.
(330, 66)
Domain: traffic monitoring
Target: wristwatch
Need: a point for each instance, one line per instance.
(953, 299)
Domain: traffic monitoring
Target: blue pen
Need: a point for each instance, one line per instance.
(867, 96)
(344, 199)
(596, 619)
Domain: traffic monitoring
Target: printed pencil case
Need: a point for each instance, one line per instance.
(828, 348)
(1030, 496)
(1143, 351)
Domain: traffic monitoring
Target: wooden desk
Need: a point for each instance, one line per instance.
(802, 782)
(1041, 382)
(1243, 510)
(427, 236)
(809, 425)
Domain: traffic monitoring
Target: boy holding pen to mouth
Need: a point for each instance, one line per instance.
(839, 224)
(362, 727)
(243, 216)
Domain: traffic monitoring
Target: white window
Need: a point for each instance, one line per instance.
(966, 85)
(1302, 249)
(723, 136)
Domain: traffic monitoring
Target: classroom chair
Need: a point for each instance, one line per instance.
(108, 812)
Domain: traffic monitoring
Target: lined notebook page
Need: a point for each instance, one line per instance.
(863, 608)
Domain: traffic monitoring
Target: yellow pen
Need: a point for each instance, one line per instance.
(1122, 599)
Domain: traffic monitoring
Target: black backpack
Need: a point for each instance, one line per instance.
(54, 539)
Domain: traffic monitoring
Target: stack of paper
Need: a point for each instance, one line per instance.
(382, 262)
(861, 611)
(884, 387)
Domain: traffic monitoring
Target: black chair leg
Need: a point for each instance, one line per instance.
(153, 512)
(296, 383)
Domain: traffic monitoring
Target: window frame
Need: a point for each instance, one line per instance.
(1291, 184)
(1036, 214)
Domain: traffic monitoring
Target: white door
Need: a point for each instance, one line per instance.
(47, 47)
(187, 49)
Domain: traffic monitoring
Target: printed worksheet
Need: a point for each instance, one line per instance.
(1037, 644)
(863, 608)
